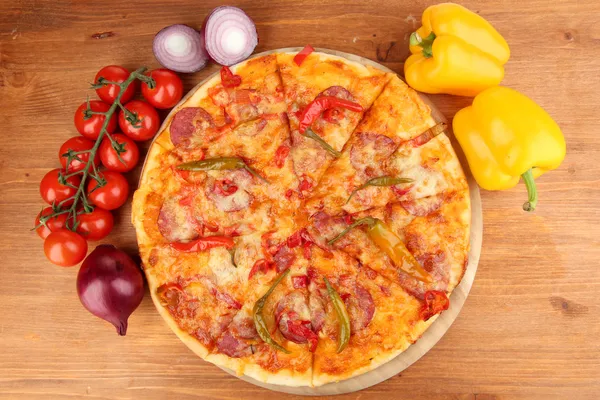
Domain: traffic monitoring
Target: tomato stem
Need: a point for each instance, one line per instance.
(90, 169)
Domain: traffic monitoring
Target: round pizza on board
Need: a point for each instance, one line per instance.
(302, 224)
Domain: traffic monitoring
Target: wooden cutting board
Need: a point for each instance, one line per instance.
(457, 299)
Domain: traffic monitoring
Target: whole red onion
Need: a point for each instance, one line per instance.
(110, 285)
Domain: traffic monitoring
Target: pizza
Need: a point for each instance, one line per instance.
(301, 223)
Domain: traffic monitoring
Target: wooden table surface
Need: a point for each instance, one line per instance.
(530, 328)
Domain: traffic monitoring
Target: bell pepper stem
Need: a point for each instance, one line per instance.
(425, 43)
(531, 191)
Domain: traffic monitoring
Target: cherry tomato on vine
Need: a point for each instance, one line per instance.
(109, 157)
(149, 124)
(95, 225)
(76, 143)
(167, 91)
(53, 191)
(91, 127)
(112, 195)
(115, 73)
(52, 225)
(65, 248)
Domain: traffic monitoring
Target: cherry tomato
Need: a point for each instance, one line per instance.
(53, 191)
(65, 248)
(91, 127)
(109, 157)
(95, 225)
(76, 143)
(52, 225)
(149, 124)
(113, 194)
(167, 91)
(108, 93)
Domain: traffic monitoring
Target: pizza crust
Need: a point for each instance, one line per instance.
(324, 378)
(185, 337)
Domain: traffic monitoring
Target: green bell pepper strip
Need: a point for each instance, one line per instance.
(311, 135)
(390, 244)
(259, 321)
(219, 164)
(380, 181)
(342, 315)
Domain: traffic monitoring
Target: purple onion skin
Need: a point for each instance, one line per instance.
(203, 32)
(163, 58)
(110, 285)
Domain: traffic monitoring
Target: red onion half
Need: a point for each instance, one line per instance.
(110, 285)
(180, 48)
(230, 35)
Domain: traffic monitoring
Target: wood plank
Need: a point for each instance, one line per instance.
(530, 327)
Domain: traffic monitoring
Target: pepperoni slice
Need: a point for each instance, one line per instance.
(368, 152)
(292, 316)
(227, 299)
(233, 347)
(204, 336)
(299, 281)
(284, 258)
(176, 222)
(326, 227)
(358, 300)
(361, 308)
(221, 296)
(337, 91)
(333, 115)
(170, 294)
(307, 158)
(243, 327)
(316, 306)
(432, 258)
(192, 122)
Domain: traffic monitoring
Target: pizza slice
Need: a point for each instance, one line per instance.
(423, 252)
(397, 115)
(223, 103)
(208, 294)
(233, 183)
(271, 338)
(363, 320)
(197, 292)
(326, 97)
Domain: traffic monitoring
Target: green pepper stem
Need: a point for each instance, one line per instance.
(370, 221)
(531, 190)
(425, 43)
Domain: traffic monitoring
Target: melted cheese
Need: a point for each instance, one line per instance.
(221, 264)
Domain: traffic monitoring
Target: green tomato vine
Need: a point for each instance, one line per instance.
(80, 200)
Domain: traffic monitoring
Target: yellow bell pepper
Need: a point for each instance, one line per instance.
(455, 52)
(507, 136)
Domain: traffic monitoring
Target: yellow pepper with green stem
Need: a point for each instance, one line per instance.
(456, 52)
(506, 136)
